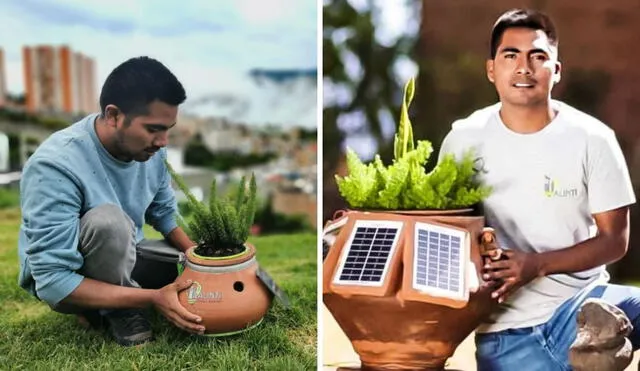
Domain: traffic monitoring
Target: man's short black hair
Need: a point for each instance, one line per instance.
(134, 84)
(526, 18)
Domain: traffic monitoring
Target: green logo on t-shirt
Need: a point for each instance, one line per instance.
(552, 189)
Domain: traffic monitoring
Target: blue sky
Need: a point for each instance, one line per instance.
(209, 44)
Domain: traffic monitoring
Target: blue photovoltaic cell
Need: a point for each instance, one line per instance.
(438, 262)
(368, 254)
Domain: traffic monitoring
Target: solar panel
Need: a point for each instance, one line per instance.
(368, 253)
(438, 261)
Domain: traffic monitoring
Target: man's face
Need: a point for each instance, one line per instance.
(525, 67)
(142, 136)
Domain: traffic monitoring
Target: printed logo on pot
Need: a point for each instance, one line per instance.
(195, 294)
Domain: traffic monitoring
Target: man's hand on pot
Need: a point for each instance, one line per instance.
(166, 301)
(518, 269)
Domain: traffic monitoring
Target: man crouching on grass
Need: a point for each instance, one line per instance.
(85, 195)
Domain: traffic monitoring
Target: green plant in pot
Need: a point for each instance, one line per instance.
(230, 291)
(221, 226)
(405, 185)
(404, 225)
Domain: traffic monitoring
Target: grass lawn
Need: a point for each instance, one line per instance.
(32, 337)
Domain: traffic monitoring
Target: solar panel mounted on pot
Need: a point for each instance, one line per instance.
(438, 264)
(439, 260)
(367, 255)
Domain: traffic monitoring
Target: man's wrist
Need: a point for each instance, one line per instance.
(179, 239)
(541, 264)
(152, 297)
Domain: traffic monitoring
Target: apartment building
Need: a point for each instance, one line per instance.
(56, 79)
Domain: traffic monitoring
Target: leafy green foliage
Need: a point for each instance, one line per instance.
(221, 226)
(9, 197)
(405, 184)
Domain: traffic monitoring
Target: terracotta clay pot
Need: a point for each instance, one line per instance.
(395, 326)
(225, 292)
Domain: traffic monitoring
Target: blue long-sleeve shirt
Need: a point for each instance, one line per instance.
(70, 173)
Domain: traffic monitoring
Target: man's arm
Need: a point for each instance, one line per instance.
(607, 247)
(50, 205)
(96, 294)
(179, 239)
(163, 209)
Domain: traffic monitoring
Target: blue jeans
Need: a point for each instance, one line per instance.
(545, 347)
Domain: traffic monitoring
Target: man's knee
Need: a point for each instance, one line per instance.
(104, 225)
(107, 242)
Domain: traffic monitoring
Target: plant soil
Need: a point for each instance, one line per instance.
(216, 252)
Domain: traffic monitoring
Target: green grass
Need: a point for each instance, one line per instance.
(9, 197)
(32, 337)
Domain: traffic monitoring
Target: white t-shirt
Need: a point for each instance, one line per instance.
(546, 186)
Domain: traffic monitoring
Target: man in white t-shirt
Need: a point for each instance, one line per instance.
(560, 202)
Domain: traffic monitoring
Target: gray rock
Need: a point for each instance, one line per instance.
(615, 359)
(601, 341)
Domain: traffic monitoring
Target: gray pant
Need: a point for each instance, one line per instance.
(107, 242)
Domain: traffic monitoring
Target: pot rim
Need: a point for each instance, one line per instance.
(219, 257)
(466, 210)
(248, 253)
(218, 269)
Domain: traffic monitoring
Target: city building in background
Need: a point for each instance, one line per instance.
(3, 80)
(56, 79)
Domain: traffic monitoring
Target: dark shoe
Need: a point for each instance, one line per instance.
(129, 327)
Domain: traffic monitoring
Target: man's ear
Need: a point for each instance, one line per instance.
(112, 115)
(556, 73)
(490, 74)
